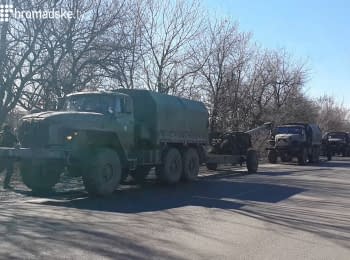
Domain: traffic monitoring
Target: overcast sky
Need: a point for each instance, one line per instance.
(317, 31)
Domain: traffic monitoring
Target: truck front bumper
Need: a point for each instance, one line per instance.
(32, 153)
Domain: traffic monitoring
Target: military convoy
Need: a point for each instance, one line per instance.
(106, 136)
(295, 140)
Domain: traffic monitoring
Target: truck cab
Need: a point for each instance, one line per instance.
(337, 143)
(298, 140)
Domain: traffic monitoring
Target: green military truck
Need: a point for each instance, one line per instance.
(299, 140)
(106, 136)
(336, 143)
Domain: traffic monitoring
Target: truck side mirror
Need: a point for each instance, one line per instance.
(268, 125)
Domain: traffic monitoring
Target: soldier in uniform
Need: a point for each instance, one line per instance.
(7, 139)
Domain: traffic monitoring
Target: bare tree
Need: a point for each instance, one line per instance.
(169, 30)
(222, 52)
(80, 50)
(332, 116)
(21, 57)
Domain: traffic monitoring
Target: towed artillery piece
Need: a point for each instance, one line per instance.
(234, 148)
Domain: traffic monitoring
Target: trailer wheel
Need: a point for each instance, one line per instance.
(212, 166)
(272, 156)
(40, 176)
(170, 171)
(141, 173)
(103, 173)
(190, 165)
(252, 161)
(302, 158)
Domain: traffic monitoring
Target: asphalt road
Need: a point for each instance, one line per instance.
(284, 212)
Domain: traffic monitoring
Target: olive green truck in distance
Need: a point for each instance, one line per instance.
(106, 136)
(299, 140)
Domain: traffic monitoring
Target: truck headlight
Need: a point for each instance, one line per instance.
(71, 136)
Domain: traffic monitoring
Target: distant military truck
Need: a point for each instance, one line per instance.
(336, 143)
(106, 136)
(299, 140)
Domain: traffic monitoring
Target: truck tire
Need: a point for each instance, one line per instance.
(141, 173)
(302, 157)
(272, 156)
(252, 161)
(317, 154)
(329, 156)
(40, 176)
(190, 165)
(103, 173)
(170, 171)
(212, 166)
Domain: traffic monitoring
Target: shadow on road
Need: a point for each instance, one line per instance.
(320, 207)
(206, 192)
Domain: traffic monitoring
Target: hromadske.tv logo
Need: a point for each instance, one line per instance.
(8, 10)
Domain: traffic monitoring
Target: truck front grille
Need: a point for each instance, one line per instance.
(33, 134)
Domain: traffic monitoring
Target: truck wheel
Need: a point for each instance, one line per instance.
(212, 166)
(302, 158)
(103, 173)
(329, 156)
(40, 177)
(317, 155)
(272, 156)
(190, 165)
(170, 171)
(141, 173)
(252, 161)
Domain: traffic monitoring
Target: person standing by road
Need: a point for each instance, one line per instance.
(7, 139)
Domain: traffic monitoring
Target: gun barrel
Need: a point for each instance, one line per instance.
(265, 126)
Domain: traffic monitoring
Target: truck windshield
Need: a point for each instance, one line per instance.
(289, 130)
(337, 136)
(105, 104)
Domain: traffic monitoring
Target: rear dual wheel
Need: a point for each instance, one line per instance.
(303, 156)
(315, 157)
(176, 166)
(170, 170)
(190, 165)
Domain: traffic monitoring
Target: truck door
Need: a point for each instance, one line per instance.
(125, 122)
